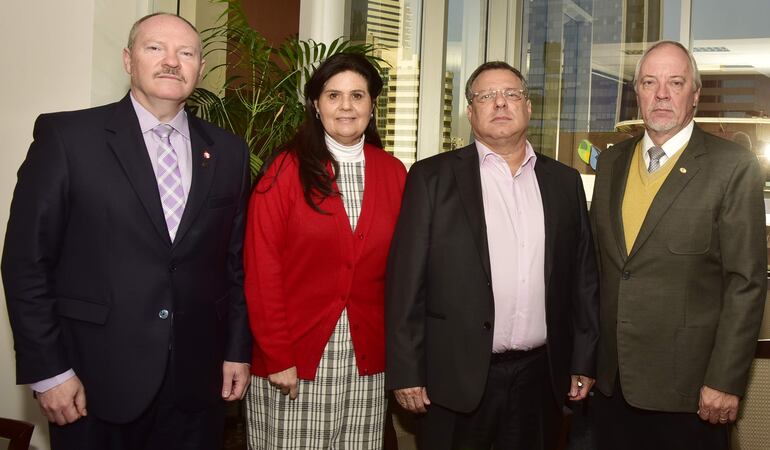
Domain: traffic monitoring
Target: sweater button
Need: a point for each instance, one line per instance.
(361, 236)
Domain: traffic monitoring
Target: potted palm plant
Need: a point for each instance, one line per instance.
(261, 97)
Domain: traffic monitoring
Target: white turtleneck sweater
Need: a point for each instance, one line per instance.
(350, 180)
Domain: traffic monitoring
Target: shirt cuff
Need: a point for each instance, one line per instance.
(50, 383)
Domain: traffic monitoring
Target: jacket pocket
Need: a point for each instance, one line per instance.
(84, 310)
(690, 233)
(435, 315)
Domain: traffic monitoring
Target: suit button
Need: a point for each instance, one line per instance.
(487, 325)
(163, 314)
(626, 275)
(172, 268)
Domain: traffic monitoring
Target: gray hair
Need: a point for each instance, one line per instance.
(493, 65)
(696, 81)
(135, 28)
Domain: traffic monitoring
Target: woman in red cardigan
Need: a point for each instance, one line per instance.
(320, 223)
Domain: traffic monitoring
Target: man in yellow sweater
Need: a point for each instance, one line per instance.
(678, 217)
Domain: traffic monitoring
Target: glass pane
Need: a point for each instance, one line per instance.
(671, 17)
(735, 68)
(466, 40)
(394, 27)
(580, 60)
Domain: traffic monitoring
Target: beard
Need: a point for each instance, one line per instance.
(665, 123)
(662, 125)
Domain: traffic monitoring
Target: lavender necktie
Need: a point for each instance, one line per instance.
(655, 154)
(169, 180)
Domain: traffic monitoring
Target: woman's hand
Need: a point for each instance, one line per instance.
(286, 381)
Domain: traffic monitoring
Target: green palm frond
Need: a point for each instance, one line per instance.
(261, 98)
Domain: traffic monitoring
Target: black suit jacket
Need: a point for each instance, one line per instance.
(439, 305)
(88, 265)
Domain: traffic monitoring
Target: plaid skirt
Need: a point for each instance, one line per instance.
(339, 410)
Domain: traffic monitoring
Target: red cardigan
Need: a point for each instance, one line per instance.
(303, 267)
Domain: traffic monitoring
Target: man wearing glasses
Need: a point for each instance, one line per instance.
(491, 297)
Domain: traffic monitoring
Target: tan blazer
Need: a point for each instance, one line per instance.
(682, 308)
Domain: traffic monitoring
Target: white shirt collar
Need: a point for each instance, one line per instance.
(671, 146)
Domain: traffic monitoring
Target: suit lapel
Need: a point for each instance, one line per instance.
(618, 177)
(127, 143)
(686, 168)
(550, 210)
(204, 158)
(466, 170)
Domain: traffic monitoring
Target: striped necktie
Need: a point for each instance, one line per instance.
(655, 154)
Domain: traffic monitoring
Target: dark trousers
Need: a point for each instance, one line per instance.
(163, 426)
(517, 411)
(620, 426)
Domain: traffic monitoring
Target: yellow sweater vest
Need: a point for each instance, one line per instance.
(641, 188)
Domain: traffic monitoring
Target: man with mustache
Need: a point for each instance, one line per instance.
(122, 261)
(491, 306)
(678, 218)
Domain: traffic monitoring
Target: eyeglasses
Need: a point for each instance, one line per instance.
(509, 94)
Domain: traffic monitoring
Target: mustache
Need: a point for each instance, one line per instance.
(171, 71)
(662, 105)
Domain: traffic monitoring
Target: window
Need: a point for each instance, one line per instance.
(394, 27)
(465, 50)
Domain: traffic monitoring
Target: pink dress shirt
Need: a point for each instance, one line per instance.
(515, 222)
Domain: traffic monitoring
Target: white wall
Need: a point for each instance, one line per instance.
(56, 55)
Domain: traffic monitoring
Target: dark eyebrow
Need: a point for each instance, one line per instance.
(354, 91)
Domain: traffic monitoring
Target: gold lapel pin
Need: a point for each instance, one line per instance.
(683, 170)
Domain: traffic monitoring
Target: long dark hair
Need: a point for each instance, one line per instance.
(309, 144)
